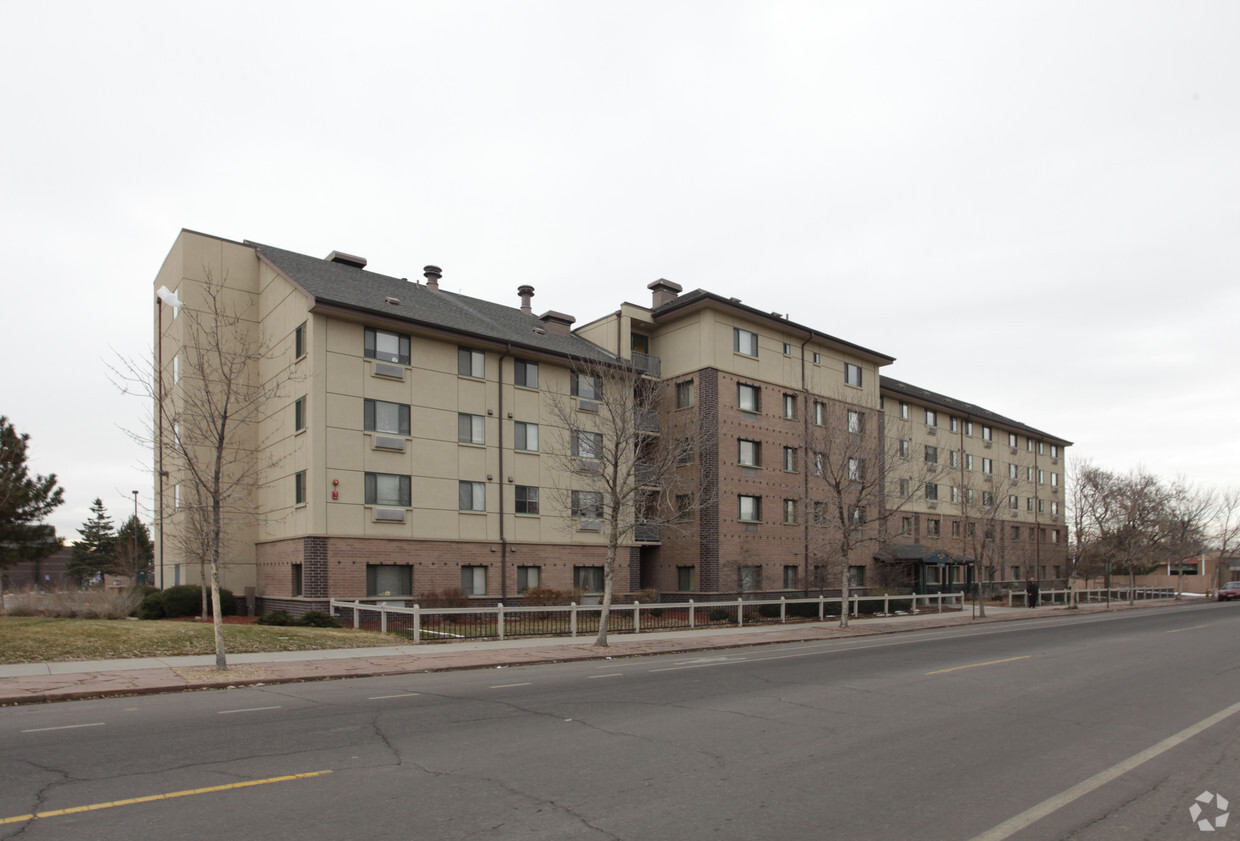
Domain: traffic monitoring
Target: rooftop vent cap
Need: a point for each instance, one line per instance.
(663, 291)
(347, 259)
(393, 301)
(558, 323)
(525, 292)
(432, 275)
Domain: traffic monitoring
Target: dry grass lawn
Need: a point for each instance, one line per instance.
(38, 639)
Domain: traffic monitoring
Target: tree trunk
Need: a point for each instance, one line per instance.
(604, 616)
(844, 591)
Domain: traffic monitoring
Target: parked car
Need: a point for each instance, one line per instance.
(1229, 591)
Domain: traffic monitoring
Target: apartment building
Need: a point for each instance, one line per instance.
(408, 445)
(404, 452)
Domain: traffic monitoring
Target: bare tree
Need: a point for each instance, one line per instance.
(983, 501)
(1225, 529)
(227, 378)
(1189, 511)
(858, 481)
(624, 472)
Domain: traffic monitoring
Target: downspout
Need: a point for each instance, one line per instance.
(503, 540)
(809, 507)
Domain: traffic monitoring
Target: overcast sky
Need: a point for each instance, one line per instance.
(1032, 206)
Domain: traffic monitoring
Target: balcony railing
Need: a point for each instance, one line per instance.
(647, 421)
(646, 532)
(647, 364)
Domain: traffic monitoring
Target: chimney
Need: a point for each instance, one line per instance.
(664, 292)
(558, 323)
(347, 259)
(432, 274)
(526, 292)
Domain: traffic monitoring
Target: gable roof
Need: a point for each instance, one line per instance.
(352, 288)
(967, 410)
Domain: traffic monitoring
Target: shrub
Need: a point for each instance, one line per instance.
(275, 617)
(656, 612)
(549, 596)
(803, 610)
(95, 603)
(719, 614)
(152, 606)
(318, 619)
(450, 597)
(183, 600)
(768, 611)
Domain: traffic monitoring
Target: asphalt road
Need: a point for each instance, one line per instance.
(1092, 727)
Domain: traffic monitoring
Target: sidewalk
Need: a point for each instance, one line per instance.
(36, 683)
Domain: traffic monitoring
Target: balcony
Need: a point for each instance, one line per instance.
(647, 364)
(647, 421)
(646, 474)
(646, 532)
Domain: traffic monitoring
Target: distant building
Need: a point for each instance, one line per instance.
(45, 574)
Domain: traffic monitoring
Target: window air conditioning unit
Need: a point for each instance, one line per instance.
(390, 515)
(587, 405)
(589, 525)
(389, 442)
(384, 369)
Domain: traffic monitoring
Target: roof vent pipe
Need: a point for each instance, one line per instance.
(432, 275)
(526, 292)
(663, 292)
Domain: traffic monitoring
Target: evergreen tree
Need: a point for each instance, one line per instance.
(125, 562)
(25, 501)
(94, 551)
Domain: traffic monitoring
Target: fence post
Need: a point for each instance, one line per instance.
(822, 607)
(691, 625)
(856, 606)
(886, 603)
(637, 617)
(417, 624)
(572, 623)
(383, 619)
(357, 619)
(499, 618)
(740, 613)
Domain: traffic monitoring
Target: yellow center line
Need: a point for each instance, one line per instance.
(975, 665)
(94, 807)
(1193, 628)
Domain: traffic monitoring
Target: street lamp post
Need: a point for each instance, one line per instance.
(135, 539)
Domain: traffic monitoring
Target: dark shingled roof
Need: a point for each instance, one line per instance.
(366, 292)
(696, 295)
(959, 407)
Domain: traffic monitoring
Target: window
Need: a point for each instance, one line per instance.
(1054, 535)
(856, 469)
(527, 499)
(1054, 480)
(1041, 477)
(906, 525)
(1012, 471)
(1012, 440)
(1054, 451)
(905, 447)
(1028, 474)
(749, 508)
(389, 580)
(988, 434)
(471, 363)
(1029, 504)
(473, 496)
(1039, 448)
(1014, 534)
(820, 576)
(747, 399)
(955, 528)
(988, 466)
(387, 489)
(525, 436)
(954, 422)
(933, 528)
(790, 512)
(852, 374)
(932, 417)
(903, 410)
(968, 496)
(856, 516)
(820, 412)
(528, 578)
(790, 406)
(582, 385)
(744, 342)
(953, 458)
(471, 429)
(299, 414)
(856, 421)
(988, 499)
(1014, 502)
(790, 577)
(525, 374)
(970, 529)
(934, 574)
(587, 504)
(932, 492)
(297, 579)
(1054, 508)
(904, 488)
(932, 454)
(176, 369)
(587, 444)
(474, 580)
(588, 579)
(820, 513)
(749, 453)
(299, 488)
(968, 428)
(381, 416)
(790, 459)
(685, 395)
(685, 451)
(385, 346)
(684, 507)
(954, 494)
(1029, 445)
(299, 341)
(787, 349)
(820, 464)
(817, 358)
(749, 578)
(684, 579)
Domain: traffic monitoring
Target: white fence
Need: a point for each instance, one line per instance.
(1075, 597)
(448, 624)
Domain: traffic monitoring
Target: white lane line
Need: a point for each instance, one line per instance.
(385, 697)
(64, 727)
(247, 710)
(507, 685)
(1015, 824)
(613, 674)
